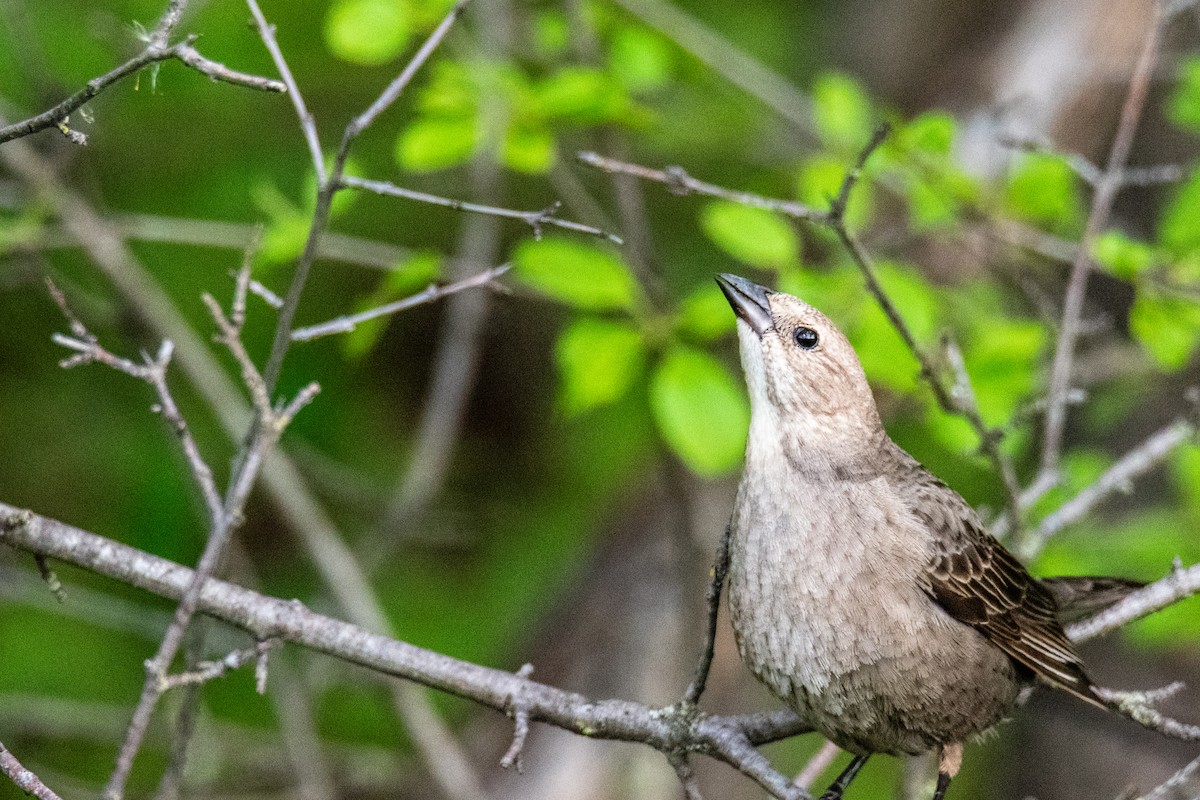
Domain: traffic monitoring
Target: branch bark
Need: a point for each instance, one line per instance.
(674, 730)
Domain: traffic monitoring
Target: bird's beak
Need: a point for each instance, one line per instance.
(749, 301)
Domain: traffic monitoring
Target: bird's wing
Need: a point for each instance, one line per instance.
(981, 584)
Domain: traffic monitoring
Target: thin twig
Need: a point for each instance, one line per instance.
(225, 516)
(520, 715)
(344, 578)
(1170, 789)
(206, 671)
(154, 372)
(308, 125)
(347, 323)
(1116, 478)
(1140, 707)
(1102, 202)
(964, 394)
(329, 184)
(536, 220)
(687, 776)
(183, 51)
(397, 86)
(25, 780)
(680, 182)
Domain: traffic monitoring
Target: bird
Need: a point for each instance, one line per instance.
(863, 591)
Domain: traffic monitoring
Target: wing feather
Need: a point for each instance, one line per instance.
(982, 585)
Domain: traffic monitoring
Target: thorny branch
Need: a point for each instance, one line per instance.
(156, 51)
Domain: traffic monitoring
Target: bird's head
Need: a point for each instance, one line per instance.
(807, 387)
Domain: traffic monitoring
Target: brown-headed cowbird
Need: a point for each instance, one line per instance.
(863, 591)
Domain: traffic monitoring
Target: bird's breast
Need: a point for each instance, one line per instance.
(827, 605)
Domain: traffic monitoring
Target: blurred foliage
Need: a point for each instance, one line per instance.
(597, 372)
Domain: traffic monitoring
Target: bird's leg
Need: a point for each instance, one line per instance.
(942, 783)
(834, 792)
(949, 761)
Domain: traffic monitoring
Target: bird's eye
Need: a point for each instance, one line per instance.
(805, 338)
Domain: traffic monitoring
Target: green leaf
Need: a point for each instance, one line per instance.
(1120, 255)
(1044, 189)
(821, 178)
(598, 361)
(756, 236)
(1183, 108)
(367, 32)
(841, 111)
(432, 143)
(1167, 327)
(1177, 228)
(705, 314)
(884, 355)
(582, 95)
(1002, 361)
(931, 133)
(929, 207)
(700, 410)
(640, 59)
(451, 92)
(578, 273)
(1185, 473)
(408, 277)
(551, 33)
(528, 149)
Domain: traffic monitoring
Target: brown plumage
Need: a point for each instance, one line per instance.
(863, 591)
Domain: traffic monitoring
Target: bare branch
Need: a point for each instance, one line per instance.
(1116, 478)
(669, 730)
(1102, 202)
(397, 86)
(536, 220)
(347, 323)
(1179, 585)
(678, 181)
(331, 183)
(152, 371)
(520, 715)
(308, 126)
(184, 52)
(687, 776)
(1140, 707)
(989, 441)
(25, 780)
(206, 671)
(1173, 786)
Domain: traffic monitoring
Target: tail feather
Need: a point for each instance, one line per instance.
(1081, 596)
